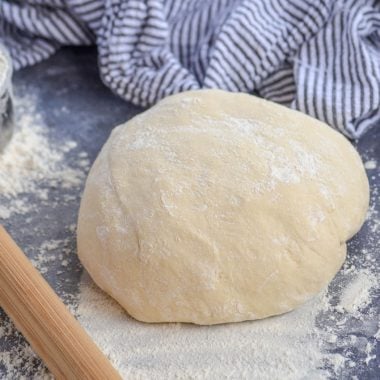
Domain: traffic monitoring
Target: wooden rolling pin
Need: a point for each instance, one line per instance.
(43, 319)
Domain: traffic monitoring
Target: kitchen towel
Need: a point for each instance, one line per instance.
(320, 57)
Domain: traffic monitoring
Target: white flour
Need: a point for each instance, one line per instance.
(298, 345)
(32, 167)
(356, 296)
(266, 349)
(370, 164)
(290, 346)
(31, 164)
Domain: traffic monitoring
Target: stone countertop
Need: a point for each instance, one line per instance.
(76, 106)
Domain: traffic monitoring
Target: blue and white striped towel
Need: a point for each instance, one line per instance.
(320, 57)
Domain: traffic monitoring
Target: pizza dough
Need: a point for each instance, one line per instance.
(216, 207)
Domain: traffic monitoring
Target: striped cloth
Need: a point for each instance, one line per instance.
(320, 57)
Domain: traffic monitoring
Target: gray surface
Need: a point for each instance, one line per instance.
(67, 81)
(70, 80)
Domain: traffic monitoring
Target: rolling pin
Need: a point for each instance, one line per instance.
(38, 313)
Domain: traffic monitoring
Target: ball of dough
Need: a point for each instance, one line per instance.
(215, 207)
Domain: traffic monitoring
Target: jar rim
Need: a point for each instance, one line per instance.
(5, 69)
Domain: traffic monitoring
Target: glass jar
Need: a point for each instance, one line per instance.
(6, 104)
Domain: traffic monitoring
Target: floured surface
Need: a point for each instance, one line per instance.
(327, 337)
(46, 231)
(265, 349)
(60, 127)
(31, 164)
(33, 169)
(356, 295)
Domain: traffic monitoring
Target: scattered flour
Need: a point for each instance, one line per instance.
(356, 296)
(31, 164)
(302, 344)
(27, 159)
(290, 346)
(19, 356)
(284, 347)
(32, 168)
(370, 164)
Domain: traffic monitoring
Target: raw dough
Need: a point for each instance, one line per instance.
(216, 207)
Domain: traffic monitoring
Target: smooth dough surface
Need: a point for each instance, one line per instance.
(216, 207)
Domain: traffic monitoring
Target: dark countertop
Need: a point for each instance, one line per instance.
(69, 81)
